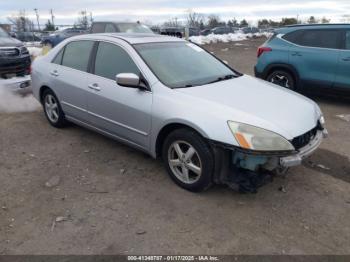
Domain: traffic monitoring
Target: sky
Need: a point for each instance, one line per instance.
(157, 11)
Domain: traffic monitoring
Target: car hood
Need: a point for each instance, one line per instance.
(259, 103)
(9, 41)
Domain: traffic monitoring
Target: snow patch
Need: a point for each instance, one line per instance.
(232, 37)
(11, 102)
(35, 51)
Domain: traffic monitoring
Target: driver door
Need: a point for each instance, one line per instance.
(122, 112)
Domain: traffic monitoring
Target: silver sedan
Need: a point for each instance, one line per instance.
(172, 99)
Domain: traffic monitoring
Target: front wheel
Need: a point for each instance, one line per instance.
(189, 160)
(282, 78)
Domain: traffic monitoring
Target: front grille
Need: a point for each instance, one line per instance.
(10, 52)
(301, 141)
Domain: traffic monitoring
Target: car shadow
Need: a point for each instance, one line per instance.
(332, 99)
(329, 163)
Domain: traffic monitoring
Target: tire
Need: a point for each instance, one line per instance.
(184, 149)
(53, 110)
(48, 44)
(282, 78)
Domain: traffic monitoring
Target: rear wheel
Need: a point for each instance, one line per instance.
(282, 78)
(52, 109)
(189, 160)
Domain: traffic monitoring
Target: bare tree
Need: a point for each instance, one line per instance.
(312, 20)
(194, 19)
(21, 22)
(325, 20)
(37, 17)
(172, 22)
(83, 21)
(213, 21)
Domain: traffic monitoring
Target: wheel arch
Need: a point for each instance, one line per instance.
(42, 89)
(281, 66)
(170, 127)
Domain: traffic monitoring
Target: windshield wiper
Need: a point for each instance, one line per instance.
(185, 86)
(223, 78)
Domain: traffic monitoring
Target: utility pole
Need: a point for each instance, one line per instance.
(52, 17)
(37, 17)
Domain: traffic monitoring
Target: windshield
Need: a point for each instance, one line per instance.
(134, 28)
(3, 33)
(183, 64)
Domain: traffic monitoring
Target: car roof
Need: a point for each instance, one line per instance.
(135, 38)
(291, 28)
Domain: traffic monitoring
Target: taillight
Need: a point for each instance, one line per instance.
(263, 49)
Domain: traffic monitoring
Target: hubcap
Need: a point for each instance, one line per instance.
(184, 162)
(280, 80)
(51, 108)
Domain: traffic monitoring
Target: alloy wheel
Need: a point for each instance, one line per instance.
(280, 80)
(51, 108)
(184, 162)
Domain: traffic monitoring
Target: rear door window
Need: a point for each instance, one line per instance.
(77, 55)
(112, 60)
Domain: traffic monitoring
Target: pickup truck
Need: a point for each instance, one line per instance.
(14, 57)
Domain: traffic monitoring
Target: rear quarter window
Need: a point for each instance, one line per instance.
(347, 40)
(321, 38)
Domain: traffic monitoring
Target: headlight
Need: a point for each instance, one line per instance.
(322, 121)
(255, 138)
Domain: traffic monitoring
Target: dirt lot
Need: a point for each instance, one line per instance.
(110, 199)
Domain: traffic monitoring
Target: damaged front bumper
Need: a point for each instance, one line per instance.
(248, 169)
(304, 152)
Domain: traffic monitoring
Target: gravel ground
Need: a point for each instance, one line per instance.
(72, 191)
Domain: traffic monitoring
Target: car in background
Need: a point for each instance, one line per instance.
(179, 31)
(205, 32)
(28, 36)
(14, 57)
(173, 99)
(222, 30)
(302, 57)
(250, 30)
(57, 37)
(119, 27)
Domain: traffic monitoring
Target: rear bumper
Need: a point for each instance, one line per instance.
(258, 74)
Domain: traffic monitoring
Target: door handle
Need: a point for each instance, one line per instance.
(346, 59)
(296, 54)
(94, 87)
(54, 73)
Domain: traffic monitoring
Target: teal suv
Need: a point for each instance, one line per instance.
(304, 57)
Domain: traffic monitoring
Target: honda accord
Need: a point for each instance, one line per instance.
(172, 99)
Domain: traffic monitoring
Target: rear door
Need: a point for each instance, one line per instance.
(343, 69)
(69, 73)
(314, 54)
(121, 111)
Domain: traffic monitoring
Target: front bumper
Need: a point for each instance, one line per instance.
(248, 169)
(304, 152)
(18, 66)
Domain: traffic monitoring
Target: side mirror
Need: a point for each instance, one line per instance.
(128, 80)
